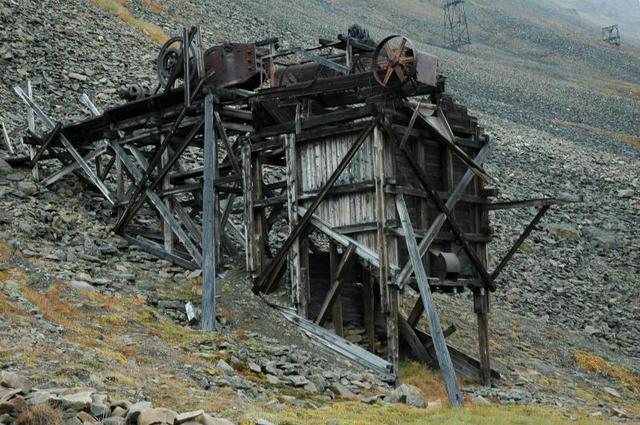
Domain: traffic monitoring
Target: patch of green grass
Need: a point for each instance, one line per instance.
(357, 413)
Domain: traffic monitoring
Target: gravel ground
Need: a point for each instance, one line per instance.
(563, 107)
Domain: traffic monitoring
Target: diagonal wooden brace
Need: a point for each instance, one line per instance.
(334, 292)
(159, 205)
(435, 198)
(440, 345)
(269, 276)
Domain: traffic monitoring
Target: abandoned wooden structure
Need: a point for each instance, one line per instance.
(351, 149)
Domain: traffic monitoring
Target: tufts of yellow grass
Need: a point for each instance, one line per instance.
(627, 138)
(599, 365)
(40, 414)
(429, 381)
(154, 6)
(119, 8)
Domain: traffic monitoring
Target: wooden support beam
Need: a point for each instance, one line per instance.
(49, 180)
(440, 345)
(193, 250)
(209, 222)
(439, 123)
(31, 125)
(158, 250)
(417, 347)
(51, 137)
(368, 300)
(481, 307)
(336, 311)
(389, 299)
(67, 145)
(295, 266)
(438, 222)
(521, 239)
(249, 217)
(538, 203)
(334, 292)
(424, 181)
(267, 280)
(227, 144)
(166, 184)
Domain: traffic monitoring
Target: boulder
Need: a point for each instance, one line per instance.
(341, 390)
(407, 394)
(87, 419)
(188, 416)
(113, 420)
(76, 401)
(135, 410)
(210, 420)
(5, 168)
(158, 415)
(13, 380)
(225, 367)
(626, 193)
(567, 231)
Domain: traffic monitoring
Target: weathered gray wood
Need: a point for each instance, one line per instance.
(49, 180)
(538, 203)
(227, 144)
(292, 206)
(336, 288)
(31, 125)
(331, 341)
(368, 299)
(249, 218)
(267, 280)
(68, 146)
(388, 295)
(158, 250)
(193, 250)
(336, 311)
(440, 345)
(7, 141)
(521, 239)
(166, 185)
(441, 126)
(417, 347)
(439, 220)
(481, 307)
(209, 228)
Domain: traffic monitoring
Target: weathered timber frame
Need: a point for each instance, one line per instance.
(381, 190)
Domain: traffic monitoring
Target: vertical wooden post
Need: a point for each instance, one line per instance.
(119, 183)
(209, 213)
(368, 299)
(249, 219)
(292, 212)
(481, 307)
(336, 312)
(305, 287)
(388, 295)
(166, 228)
(31, 123)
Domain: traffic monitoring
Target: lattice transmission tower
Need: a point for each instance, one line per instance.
(456, 29)
(611, 35)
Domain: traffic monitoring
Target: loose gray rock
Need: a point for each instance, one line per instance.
(407, 394)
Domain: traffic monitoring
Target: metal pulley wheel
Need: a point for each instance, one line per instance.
(395, 56)
(168, 59)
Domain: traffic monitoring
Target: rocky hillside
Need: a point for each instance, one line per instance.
(79, 307)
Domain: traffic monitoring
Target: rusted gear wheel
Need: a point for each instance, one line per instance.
(394, 56)
(168, 59)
